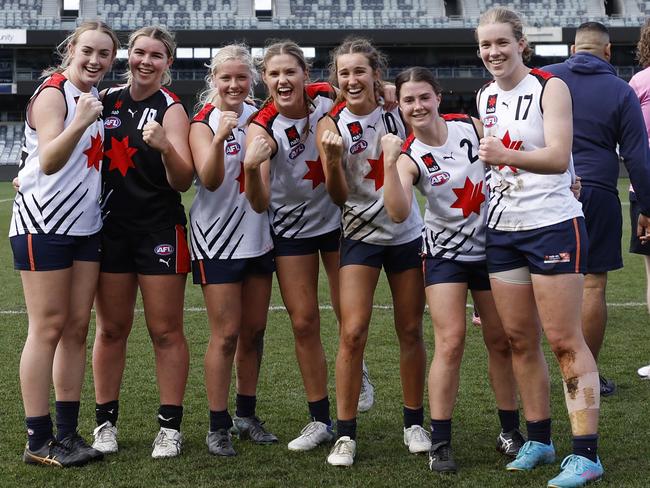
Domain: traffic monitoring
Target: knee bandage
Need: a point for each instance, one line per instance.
(517, 276)
(582, 392)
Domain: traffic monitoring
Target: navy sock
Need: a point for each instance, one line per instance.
(509, 420)
(107, 412)
(440, 431)
(346, 427)
(539, 431)
(586, 446)
(320, 411)
(220, 420)
(39, 431)
(413, 416)
(67, 418)
(170, 416)
(245, 405)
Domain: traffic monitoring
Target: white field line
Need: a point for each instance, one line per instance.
(280, 308)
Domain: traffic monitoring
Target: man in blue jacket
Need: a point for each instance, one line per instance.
(606, 113)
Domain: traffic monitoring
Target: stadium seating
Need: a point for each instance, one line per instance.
(11, 136)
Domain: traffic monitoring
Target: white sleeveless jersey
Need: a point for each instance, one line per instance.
(364, 216)
(300, 205)
(519, 199)
(452, 179)
(66, 202)
(222, 223)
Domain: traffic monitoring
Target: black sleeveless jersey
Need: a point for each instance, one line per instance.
(135, 192)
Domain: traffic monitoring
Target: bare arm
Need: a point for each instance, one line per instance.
(208, 149)
(399, 174)
(259, 147)
(330, 148)
(558, 134)
(172, 140)
(56, 143)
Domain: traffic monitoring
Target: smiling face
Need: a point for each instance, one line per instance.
(285, 79)
(419, 103)
(91, 57)
(500, 51)
(233, 81)
(148, 61)
(356, 79)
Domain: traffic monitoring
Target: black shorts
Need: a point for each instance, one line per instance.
(162, 252)
(635, 244)
(48, 252)
(604, 222)
(394, 259)
(329, 242)
(220, 271)
(474, 273)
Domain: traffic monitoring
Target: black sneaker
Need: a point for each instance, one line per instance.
(76, 443)
(441, 458)
(510, 442)
(54, 454)
(252, 428)
(219, 443)
(607, 387)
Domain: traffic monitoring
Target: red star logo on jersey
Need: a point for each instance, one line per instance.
(470, 198)
(314, 173)
(516, 145)
(241, 178)
(118, 105)
(120, 155)
(376, 171)
(95, 152)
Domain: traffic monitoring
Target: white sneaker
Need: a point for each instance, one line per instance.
(644, 372)
(417, 439)
(312, 435)
(342, 454)
(367, 393)
(105, 438)
(168, 443)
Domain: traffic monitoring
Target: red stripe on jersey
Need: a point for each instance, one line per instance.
(182, 251)
(406, 146)
(173, 96)
(456, 117)
(541, 75)
(322, 89)
(266, 115)
(56, 80)
(204, 281)
(30, 253)
(204, 114)
(337, 109)
(577, 231)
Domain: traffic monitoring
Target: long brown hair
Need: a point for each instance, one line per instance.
(643, 46)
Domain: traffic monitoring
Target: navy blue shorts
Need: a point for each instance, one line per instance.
(47, 252)
(604, 222)
(393, 258)
(474, 273)
(163, 252)
(329, 242)
(554, 249)
(220, 271)
(635, 244)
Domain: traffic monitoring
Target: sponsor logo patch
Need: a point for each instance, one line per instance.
(358, 147)
(233, 148)
(293, 136)
(164, 249)
(561, 257)
(430, 162)
(490, 121)
(112, 122)
(356, 131)
(296, 151)
(491, 104)
(439, 178)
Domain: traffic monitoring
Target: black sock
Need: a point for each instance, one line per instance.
(245, 405)
(586, 446)
(509, 420)
(440, 431)
(413, 416)
(320, 411)
(170, 416)
(39, 431)
(67, 418)
(107, 412)
(220, 420)
(346, 428)
(539, 431)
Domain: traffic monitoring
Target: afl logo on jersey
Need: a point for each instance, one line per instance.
(233, 148)
(491, 104)
(490, 121)
(439, 178)
(164, 249)
(293, 136)
(356, 131)
(430, 163)
(112, 122)
(296, 151)
(358, 147)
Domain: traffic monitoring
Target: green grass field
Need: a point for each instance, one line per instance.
(382, 459)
